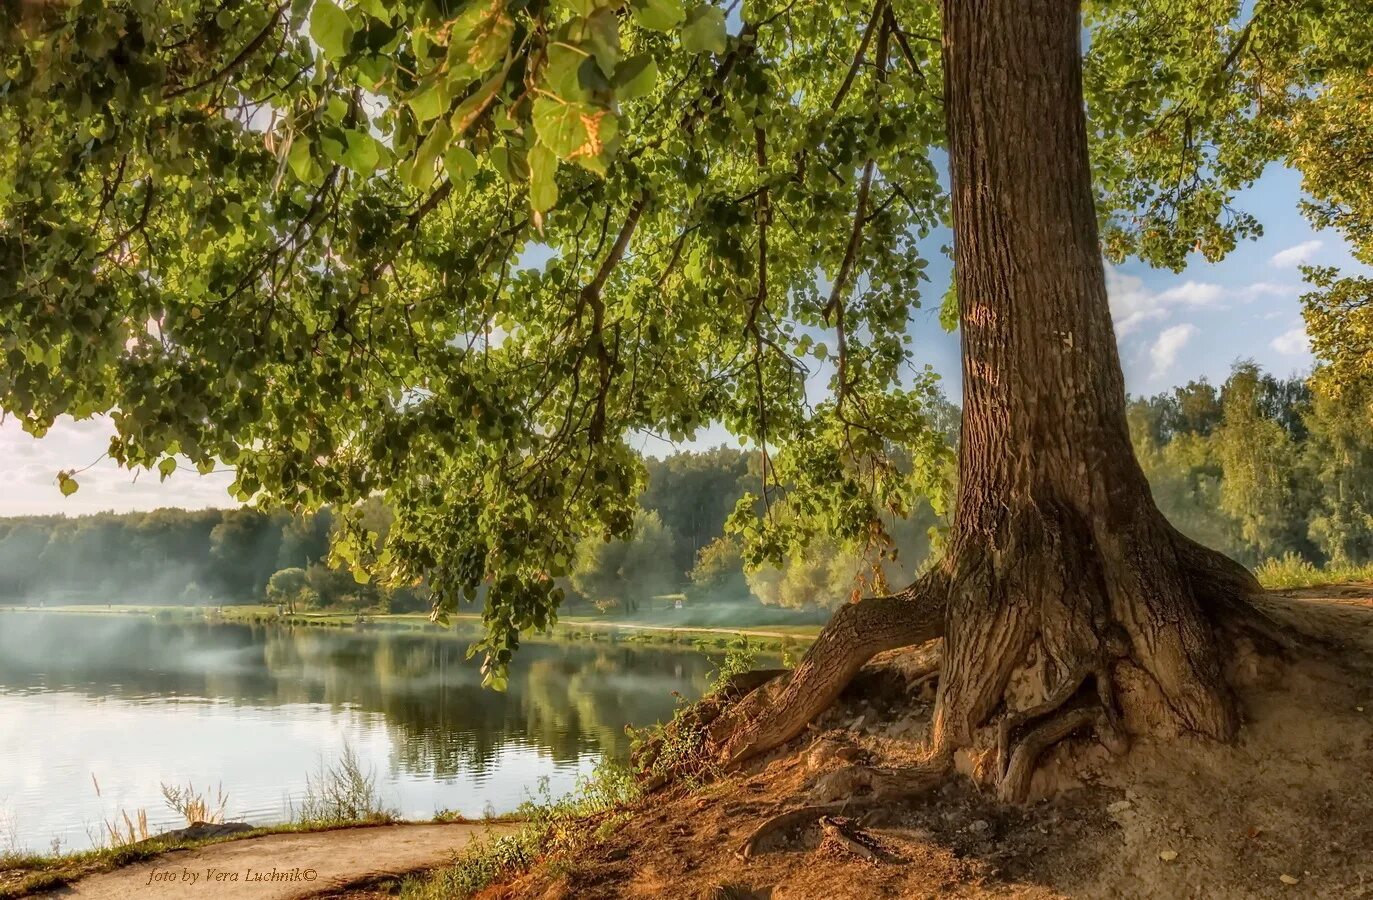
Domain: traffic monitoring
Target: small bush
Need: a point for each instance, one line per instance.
(740, 657)
(341, 794)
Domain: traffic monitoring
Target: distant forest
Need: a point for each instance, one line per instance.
(1259, 467)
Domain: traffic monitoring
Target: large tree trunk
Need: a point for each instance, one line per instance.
(1066, 599)
(1057, 543)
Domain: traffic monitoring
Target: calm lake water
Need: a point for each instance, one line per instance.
(97, 712)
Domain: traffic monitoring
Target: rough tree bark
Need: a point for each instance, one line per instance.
(1064, 588)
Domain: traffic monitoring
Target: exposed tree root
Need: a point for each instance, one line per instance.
(1013, 720)
(1030, 616)
(853, 840)
(784, 822)
(1014, 786)
(858, 631)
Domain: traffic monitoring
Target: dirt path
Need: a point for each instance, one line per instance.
(283, 866)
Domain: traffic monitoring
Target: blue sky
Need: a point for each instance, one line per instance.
(1172, 327)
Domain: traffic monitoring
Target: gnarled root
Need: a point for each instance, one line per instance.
(852, 839)
(1015, 780)
(1023, 736)
(782, 823)
(858, 631)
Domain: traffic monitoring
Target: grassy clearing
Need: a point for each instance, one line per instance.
(1291, 571)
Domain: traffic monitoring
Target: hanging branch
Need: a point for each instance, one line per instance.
(237, 61)
(901, 41)
(857, 63)
(590, 297)
(835, 308)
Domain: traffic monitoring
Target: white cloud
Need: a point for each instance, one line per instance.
(1295, 256)
(1132, 304)
(1193, 293)
(1292, 343)
(1251, 292)
(1170, 341)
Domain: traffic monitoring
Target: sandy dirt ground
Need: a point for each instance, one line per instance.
(283, 866)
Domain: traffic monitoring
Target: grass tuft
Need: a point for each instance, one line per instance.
(193, 806)
(1292, 571)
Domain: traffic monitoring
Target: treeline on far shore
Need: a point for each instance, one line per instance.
(679, 553)
(1266, 469)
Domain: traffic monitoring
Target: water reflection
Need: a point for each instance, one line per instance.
(257, 706)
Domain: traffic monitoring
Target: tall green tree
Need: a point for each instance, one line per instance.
(694, 493)
(454, 255)
(1339, 455)
(1259, 457)
(625, 573)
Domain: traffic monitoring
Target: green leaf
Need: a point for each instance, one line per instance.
(302, 163)
(583, 8)
(562, 75)
(431, 100)
(577, 132)
(460, 164)
(166, 468)
(421, 172)
(600, 35)
(704, 31)
(66, 484)
(510, 164)
(495, 679)
(489, 40)
(636, 76)
(658, 15)
(364, 153)
(543, 183)
(331, 28)
(470, 109)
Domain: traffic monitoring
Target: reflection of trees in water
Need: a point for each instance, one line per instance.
(563, 699)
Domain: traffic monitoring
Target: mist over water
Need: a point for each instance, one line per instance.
(128, 703)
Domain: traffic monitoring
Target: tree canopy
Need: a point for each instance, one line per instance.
(454, 253)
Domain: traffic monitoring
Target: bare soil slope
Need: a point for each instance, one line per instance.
(1286, 811)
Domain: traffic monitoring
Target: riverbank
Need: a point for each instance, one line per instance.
(765, 638)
